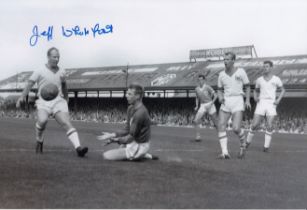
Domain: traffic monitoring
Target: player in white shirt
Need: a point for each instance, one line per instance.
(205, 98)
(58, 107)
(266, 87)
(232, 82)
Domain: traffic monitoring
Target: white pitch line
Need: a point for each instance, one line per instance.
(98, 150)
(293, 151)
(32, 150)
(47, 150)
(179, 150)
(203, 150)
(156, 150)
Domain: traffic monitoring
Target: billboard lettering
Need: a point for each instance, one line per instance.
(219, 52)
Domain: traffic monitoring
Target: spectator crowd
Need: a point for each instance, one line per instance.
(292, 117)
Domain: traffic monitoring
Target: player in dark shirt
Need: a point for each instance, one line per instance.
(136, 135)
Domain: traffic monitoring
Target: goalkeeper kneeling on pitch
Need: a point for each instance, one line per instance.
(134, 139)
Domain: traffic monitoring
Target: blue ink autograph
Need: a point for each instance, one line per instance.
(67, 32)
(77, 31)
(36, 34)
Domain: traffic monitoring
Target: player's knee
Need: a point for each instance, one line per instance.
(215, 120)
(196, 121)
(221, 127)
(269, 128)
(253, 127)
(40, 127)
(236, 129)
(41, 123)
(214, 125)
(106, 156)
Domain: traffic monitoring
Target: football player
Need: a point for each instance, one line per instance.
(58, 107)
(205, 98)
(231, 81)
(266, 87)
(134, 140)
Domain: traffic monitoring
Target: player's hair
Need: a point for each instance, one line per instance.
(268, 62)
(233, 56)
(52, 48)
(202, 76)
(138, 89)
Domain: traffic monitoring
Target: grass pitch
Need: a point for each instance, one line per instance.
(188, 175)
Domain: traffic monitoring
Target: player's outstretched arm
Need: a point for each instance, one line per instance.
(24, 94)
(220, 90)
(220, 96)
(257, 90)
(196, 103)
(126, 129)
(214, 98)
(109, 138)
(106, 136)
(125, 139)
(283, 91)
(64, 90)
(247, 95)
(256, 94)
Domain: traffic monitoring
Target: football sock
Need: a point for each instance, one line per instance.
(267, 139)
(39, 132)
(242, 138)
(250, 136)
(197, 128)
(223, 142)
(72, 135)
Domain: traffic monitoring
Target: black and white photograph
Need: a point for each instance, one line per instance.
(153, 104)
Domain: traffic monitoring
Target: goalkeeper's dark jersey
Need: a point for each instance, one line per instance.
(137, 126)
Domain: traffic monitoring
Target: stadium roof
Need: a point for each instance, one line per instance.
(291, 69)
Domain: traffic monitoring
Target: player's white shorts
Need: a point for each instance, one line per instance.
(136, 150)
(233, 104)
(58, 104)
(205, 108)
(266, 107)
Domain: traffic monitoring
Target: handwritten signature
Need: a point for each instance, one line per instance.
(67, 32)
(34, 38)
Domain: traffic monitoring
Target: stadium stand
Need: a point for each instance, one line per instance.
(292, 70)
(292, 116)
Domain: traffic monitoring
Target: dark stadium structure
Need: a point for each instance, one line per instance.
(171, 77)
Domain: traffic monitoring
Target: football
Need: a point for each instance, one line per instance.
(49, 92)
